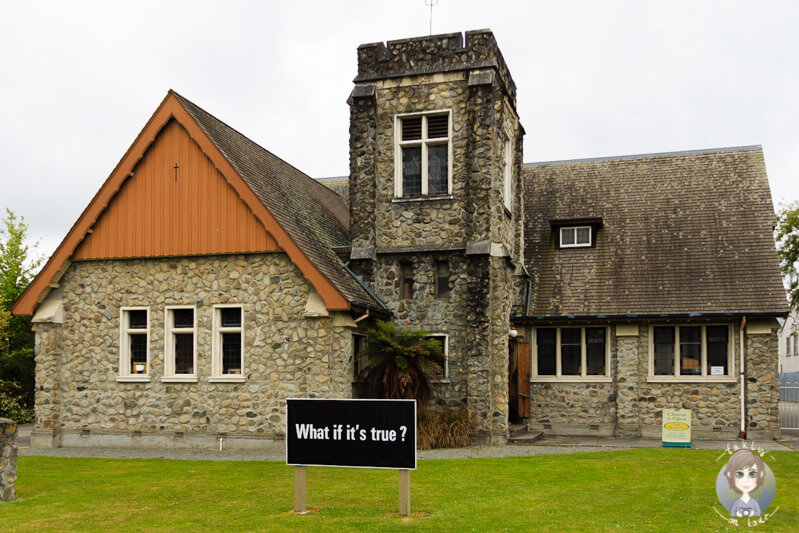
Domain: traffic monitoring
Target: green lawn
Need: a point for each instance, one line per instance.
(629, 490)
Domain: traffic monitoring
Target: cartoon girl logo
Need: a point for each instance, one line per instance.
(746, 485)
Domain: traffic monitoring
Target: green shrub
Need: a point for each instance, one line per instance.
(444, 429)
(19, 367)
(12, 403)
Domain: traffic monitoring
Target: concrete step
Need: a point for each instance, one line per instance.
(517, 429)
(525, 438)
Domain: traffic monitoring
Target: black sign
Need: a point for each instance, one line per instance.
(359, 433)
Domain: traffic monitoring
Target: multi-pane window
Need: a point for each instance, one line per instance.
(575, 236)
(134, 340)
(571, 352)
(691, 351)
(442, 279)
(443, 340)
(406, 279)
(228, 347)
(423, 155)
(180, 351)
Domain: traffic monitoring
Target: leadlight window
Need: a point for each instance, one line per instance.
(423, 155)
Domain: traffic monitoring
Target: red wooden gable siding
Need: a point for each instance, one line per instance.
(161, 211)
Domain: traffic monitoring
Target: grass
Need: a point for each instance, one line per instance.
(629, 490)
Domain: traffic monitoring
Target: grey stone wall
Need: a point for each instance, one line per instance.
(286, 354)
(437, 53)
(470, 227)
(573, 408)
(632, 406)
(8, 459)
(762, 386)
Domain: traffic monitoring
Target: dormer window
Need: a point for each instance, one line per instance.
(575, 236)
(423, 162)
(576, 232)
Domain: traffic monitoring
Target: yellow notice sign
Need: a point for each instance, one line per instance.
(677, 428)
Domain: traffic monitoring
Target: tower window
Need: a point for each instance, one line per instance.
(406, 274)
(422, 157)
(442, 279)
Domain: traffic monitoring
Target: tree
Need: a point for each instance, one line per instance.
(787, 235)
(17, 269)
(402, 362)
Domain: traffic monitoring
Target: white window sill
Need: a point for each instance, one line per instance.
(402, 200)
(179, 379)
(227, 379)
(570, 379)
(691, 379)
(443, 380)
(140, 378)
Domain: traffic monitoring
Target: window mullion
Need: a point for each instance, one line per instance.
(583, 349)
(703, 351)
(676, 350)
(558, 366)
(424, 167)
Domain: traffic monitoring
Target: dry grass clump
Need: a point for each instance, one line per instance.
(444, 429)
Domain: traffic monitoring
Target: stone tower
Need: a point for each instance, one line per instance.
(436, 204)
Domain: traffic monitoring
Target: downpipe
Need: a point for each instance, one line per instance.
(742, 434)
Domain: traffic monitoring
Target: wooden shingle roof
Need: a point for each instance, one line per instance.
(686, 233)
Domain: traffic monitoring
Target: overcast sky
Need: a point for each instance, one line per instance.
(595, 78)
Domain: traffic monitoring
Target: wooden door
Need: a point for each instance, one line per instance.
(523, 365)
(518, 380)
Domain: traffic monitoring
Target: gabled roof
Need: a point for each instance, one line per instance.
(305, 218)
(686, 233)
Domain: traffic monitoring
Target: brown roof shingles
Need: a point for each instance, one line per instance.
(315, 217)
(682, 233)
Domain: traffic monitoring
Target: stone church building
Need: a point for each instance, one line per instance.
(208, 281)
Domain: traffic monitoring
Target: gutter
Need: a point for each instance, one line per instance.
(384, 310)
(645, 316)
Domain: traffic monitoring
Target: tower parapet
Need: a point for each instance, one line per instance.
(447, 52)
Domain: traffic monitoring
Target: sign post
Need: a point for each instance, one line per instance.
(677, 428)
(351, 433)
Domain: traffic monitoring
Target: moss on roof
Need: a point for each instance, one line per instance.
(681, 233)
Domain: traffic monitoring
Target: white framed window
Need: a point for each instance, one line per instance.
(571, 354)
(227, 350)
(180, 343)
(134, 344)
(423, 154)
(575, 236)
(443, 339)
(691, 352)
(507, 182)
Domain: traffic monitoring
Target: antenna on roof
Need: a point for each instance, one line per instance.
(430, 4)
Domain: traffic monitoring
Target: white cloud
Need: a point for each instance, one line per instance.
(80, 79)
